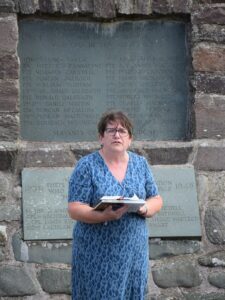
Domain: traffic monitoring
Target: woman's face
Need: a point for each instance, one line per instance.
(116, 138)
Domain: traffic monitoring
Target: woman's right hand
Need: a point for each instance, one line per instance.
(112, 214)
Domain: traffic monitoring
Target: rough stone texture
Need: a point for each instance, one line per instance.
(2, 253)
(41, 252)
(9, 67)
(177, 274)
(7, 6)
(7, 156)
(9, 127)
(210, 158)
(215, 259)
(161, 248)
(210, 15)
(55, 281)
(217, 279)
(3, 236)
(5, 186)
(209, 83)
(209, 33)
(9, 212)
(216, 187)
(169, 155)
(43, 156)
(208, 58)
(16, 281)
(210, 116)
(215, 224)
(205, 296)
(171, 6)
(8, 96)
(104, 9)
(8, 34)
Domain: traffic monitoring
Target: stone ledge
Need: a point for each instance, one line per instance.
(210, 157)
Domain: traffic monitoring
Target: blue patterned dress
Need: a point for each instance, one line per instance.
(110, 260)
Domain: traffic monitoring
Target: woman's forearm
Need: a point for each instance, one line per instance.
(153, 205)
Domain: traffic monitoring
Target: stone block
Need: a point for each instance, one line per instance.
(55, 281)
(209, 83)
(216, 187)
(161, 7)
(7, 157)
(165, 248)
(5, 186)
(8, 34)
(16, 281)
(41, 252)
(104, 9)
(7, 6)
(9, 212)
(86, 6)
(171, 6)
(9, 67)
(29, 7)
(209, 33)
(9, 127)
(169, 155)
(176, 273)
(210, 15)
(215, 259)
(3, 235)
(9, 95)
(210, 116)
(204, 296)
(44, 156)
(217, 279)
(209, 58)
(215, 224)
(2, 253)
(210, 158)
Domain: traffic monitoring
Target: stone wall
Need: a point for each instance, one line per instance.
(181, 268)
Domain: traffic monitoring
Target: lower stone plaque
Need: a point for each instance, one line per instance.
(45, 203)
(179, 216)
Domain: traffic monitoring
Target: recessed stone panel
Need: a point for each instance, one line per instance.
(72, 72)
(45, 203)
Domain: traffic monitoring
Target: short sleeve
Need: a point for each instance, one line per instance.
(150, 184)
(80, 183)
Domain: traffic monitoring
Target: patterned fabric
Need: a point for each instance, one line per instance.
(110, 260)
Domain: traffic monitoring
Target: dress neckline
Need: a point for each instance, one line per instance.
(105, 165)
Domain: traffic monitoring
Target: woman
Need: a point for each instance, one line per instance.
(110, 247)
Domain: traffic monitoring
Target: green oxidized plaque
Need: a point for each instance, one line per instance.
(72, 72)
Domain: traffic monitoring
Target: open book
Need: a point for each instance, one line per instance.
(134, 202)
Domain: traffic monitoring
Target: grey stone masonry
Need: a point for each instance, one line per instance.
(181, 269)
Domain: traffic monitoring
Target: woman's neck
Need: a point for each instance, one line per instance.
(114, 157)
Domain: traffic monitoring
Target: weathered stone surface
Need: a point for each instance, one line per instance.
(210, 15)
(209, 58)
(9, 67)
(215, 259)
(16, 281)
(5, 185)
(209, 33)
(9, 212)
(210, 116)
(177, 274)
(28, 7)
(169, 155)
(41, 252)
(209, 83)
(2, 253)
(7, 156)
(215, 224)
(9, 127)
(7, 6)
(86, 6)
(79, 153)
(210, 158)
(8, 34)
(171, 6)
(55, 281)
(3, 236)
(216, 187)
(217, 279)
(104, 9)
(44, 156)
(202, 296)
(161, 248)
(9, 95)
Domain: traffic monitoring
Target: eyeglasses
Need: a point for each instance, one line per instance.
(112, 131)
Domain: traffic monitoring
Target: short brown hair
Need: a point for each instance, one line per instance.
(115, 116)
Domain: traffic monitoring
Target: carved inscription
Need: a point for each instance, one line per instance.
(180, 213)
(72, 72)
(45, 204)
